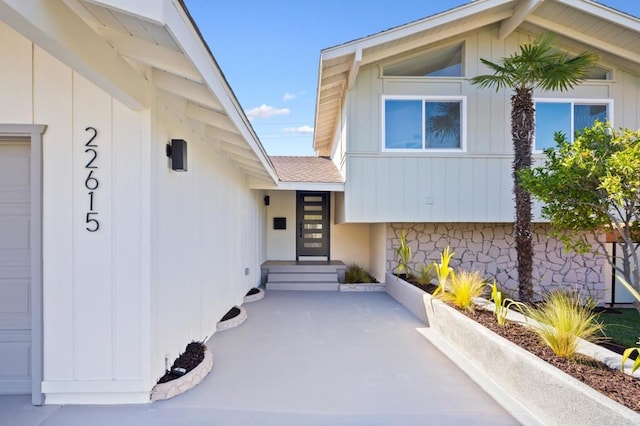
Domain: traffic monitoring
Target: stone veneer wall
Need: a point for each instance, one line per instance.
(490, 249)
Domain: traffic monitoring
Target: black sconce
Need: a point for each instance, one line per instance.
(267, 200)
(177, 151)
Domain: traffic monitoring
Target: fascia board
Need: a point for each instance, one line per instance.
(310, 186)
(411, 28)
(604, 12)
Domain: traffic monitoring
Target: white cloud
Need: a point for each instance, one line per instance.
(266, 111)
(291, 96)
(299, 130)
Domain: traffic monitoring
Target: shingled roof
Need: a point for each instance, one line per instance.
(306, 169)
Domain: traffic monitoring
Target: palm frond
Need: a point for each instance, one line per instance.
(538, 64)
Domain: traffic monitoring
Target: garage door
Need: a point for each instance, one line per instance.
(15, 268)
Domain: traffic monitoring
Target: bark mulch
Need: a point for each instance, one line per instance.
(615, 384)
(253, 291)
(233, 312)
(189, 359)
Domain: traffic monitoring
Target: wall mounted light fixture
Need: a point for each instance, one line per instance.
(267, 200)
(177, 151)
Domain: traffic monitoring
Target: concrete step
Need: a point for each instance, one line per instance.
(303, 277)
(308, 286)
(316, 268)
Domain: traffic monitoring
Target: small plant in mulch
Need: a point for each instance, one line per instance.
(253, 291)
(355, 274)
(233, 312)
(187, 361)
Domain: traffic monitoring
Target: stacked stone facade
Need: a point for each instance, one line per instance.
(490, 249)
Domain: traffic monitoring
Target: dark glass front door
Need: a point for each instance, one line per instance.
(313, 224)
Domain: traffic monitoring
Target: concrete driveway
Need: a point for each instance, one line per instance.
(306, 358)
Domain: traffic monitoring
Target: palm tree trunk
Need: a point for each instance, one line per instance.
(522, 129)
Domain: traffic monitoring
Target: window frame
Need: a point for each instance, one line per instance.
(423, 99)
(573, 101)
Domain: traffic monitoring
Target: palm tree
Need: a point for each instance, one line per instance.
(538, 65)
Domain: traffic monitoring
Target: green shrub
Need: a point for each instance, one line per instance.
(562, 319)
(356, 274)
(461, 288)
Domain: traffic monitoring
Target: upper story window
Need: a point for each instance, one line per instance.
(598, 73)
(424, 123)
(567, 116)
(441, 62)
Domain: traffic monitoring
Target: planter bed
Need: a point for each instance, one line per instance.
(169, 389)
(254, 295)
(226, 324)
(508, 371)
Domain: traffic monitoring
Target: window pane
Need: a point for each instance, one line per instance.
(312, 217)
(312, 199)
(312, 226)
(310, 208)
(587, 115)
(314, 236)
(443, 62)
(442, 122)
(313, 245)
(402, 124)
(551, 117)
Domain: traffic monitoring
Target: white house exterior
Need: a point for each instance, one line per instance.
(380, 99)
(110, 261)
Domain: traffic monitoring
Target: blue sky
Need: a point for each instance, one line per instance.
(269, 52)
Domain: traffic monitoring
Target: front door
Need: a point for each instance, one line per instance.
(312, 225)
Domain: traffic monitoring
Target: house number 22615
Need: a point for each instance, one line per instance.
(91, 182)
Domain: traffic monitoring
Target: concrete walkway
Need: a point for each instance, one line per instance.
(306, 358)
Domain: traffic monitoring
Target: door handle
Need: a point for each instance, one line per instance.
(300, 231)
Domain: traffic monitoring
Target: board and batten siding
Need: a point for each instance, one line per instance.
(169, 258)
(207, 238)
(95, 293)
(470, 186)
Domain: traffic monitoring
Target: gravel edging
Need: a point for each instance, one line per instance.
(182, 384)
(233, 322)
(254, 297)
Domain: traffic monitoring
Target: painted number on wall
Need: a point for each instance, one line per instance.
(91, 182)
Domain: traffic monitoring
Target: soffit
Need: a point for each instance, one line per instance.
(151, 48)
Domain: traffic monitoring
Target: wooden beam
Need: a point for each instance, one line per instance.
(355, 67)
(196, 92)
(53, 26)
(229, 137)
(213, 118)
(149, 53)
(520, 13)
